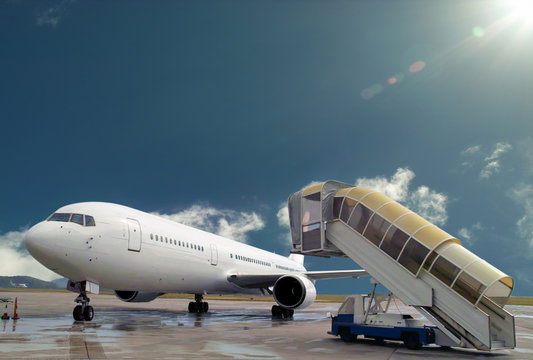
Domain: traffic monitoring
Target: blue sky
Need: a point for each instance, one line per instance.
(214, 112)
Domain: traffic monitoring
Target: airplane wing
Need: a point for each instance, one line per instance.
(263, 280)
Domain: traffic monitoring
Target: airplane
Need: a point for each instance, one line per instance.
(21, 285)
(143, 256)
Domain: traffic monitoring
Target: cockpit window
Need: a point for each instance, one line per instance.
(59, 217)
(89, 221)
(77, 218)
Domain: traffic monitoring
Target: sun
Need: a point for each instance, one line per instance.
(523, 9)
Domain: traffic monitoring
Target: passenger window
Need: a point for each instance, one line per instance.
(194, 246)
(151, 236)
(359, 218)
(179, 243)
(231, 256)
(166, 240)
(89, 221)
(394, 241)
(174, 242)
(337, 203)
(156, 238)
(376, 229)
(347, 209)
(429, 260)
(77, 219)
(59, 217)
(468, 287)
(187, 244)
(413, 255)
(444, 270)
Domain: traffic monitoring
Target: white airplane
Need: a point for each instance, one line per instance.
(17, 285)
(143, 256)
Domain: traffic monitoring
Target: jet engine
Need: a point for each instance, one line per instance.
(294, 291)
(136, 296)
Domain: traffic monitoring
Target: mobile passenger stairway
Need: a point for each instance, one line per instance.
(425, 267)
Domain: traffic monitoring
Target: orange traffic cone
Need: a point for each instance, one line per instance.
(15, 315)
(5, 316)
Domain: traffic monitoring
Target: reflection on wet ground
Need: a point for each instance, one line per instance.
(113, 322)
(238, 330)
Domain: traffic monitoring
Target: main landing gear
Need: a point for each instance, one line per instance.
(83, 311)
(281, 313)
(198, 306)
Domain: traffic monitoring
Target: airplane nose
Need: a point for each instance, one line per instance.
(30, 240)
(40, 244)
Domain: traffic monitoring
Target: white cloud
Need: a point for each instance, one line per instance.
(492, 162)
(52, 16)
(465, 234)
(427, 203)
(422, 200)
(468, 234)
(396, 187)
(523, 196)
(499, 149)
(15, 260)
(228, 223)
(283, 215)
(471, 150)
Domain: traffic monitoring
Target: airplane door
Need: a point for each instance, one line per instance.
(134, 235)
(214, 255)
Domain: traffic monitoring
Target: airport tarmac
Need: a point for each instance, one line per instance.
(163, 329)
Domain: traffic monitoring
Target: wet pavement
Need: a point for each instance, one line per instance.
(231, 330)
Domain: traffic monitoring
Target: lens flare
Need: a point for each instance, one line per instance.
(417, 66)
(392, 81)
(478, 31)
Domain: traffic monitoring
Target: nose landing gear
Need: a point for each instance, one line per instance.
(198, 306)
(83, 311)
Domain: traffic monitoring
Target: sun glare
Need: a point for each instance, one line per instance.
(523, 9)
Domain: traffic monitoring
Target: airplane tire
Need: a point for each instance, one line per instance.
(77, 314)
(88, 313)
(192, 307)
(205, 307)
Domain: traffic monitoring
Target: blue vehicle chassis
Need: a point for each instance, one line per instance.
(413, 337)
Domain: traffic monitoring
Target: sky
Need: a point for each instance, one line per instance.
(213, 112)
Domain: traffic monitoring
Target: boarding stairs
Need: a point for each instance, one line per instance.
(425, 267)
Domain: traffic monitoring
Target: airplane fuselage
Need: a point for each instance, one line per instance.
(127, 249)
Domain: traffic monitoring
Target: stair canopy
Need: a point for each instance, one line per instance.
(415, 243)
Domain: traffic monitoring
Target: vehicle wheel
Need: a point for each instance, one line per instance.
(379, 340)
(346, 334)
(78, 316)
(276, 311)
(411, 341)
(205, 307)
(88, 313)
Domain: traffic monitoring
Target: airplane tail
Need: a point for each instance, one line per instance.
(298, 258)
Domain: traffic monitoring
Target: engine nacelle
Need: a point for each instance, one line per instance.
(136, 296)
(294, 291)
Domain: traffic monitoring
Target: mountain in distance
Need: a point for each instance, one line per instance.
(28, 282)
